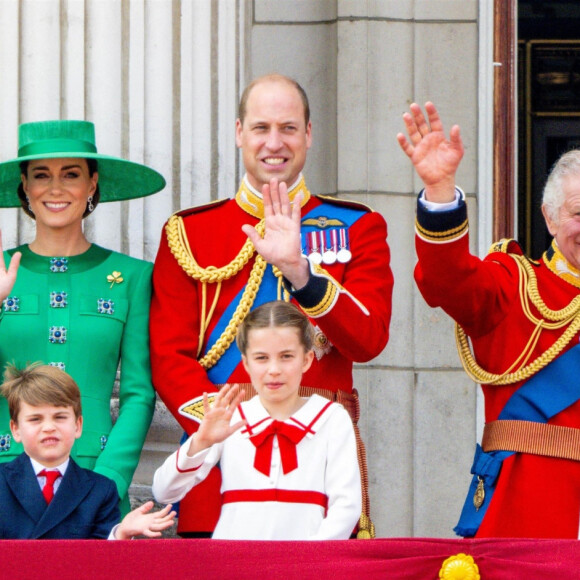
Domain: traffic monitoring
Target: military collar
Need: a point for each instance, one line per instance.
(558, 264)
(251, 202)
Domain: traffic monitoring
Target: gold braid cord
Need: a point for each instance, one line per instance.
(179, 246)
(229, 334)
(366, 528)
(550, 319)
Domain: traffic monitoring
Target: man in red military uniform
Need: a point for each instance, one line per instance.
(522, 317)
(328, 256)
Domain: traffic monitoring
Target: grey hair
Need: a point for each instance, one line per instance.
(553, 197)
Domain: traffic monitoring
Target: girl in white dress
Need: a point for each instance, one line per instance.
(289, 463)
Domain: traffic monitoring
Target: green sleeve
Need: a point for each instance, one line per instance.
(120, 457)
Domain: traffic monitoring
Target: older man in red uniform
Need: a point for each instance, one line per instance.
(273, 241)
(522, 317)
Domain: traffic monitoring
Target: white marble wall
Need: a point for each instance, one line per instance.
(161, 79)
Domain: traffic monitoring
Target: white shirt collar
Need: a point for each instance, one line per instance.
(38, 467)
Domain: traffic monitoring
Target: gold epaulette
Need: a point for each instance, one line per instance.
(506, 246)
(512, 247)
(200, 208)
(345, 202)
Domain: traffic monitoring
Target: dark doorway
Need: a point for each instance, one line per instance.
(548, 104)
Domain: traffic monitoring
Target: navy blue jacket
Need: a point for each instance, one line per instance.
(86, 504)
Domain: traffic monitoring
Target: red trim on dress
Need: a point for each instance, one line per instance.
(184, 470)
(250, 428)
(310, 425)
(279, 495)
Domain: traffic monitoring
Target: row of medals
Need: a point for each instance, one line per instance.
(327, 247)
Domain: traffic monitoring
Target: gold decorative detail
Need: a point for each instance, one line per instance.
(179, 246)
(281, 292)
(195, 407)
(479, 495)
(253, 204)
(366, 528)
(320, 339)
(320, 343)
(459, 567)
(550, 319)
(500, 246)
(330, 294)
(114, 278)
(558, 264)
(229, 334)
(445, 236)
(323, 222)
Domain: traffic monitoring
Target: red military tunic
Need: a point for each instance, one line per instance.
(536, 496)
(349, 302)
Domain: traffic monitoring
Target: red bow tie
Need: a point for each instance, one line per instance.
(288, 437)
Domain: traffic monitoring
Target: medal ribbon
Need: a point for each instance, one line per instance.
(314, 242)
(334, 240)
(288, 437)
(343, 239)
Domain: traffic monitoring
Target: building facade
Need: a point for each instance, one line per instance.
(161, 80)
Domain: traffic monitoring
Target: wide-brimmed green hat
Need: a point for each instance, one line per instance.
(119, 179)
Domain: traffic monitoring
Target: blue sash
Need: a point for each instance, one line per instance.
(220, 373)
(551, 390)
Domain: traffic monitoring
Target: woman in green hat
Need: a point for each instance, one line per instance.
(75, 305)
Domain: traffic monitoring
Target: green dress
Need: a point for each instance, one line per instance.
(86, 314)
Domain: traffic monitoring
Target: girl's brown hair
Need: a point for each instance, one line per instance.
(272, 315)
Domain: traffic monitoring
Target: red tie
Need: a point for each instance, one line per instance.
(288, 437)
(48, 489)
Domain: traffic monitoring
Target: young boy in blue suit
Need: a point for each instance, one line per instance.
(45, 416)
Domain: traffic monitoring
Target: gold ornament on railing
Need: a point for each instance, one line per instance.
(459, 567)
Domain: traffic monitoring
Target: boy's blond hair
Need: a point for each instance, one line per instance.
(37, 385)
